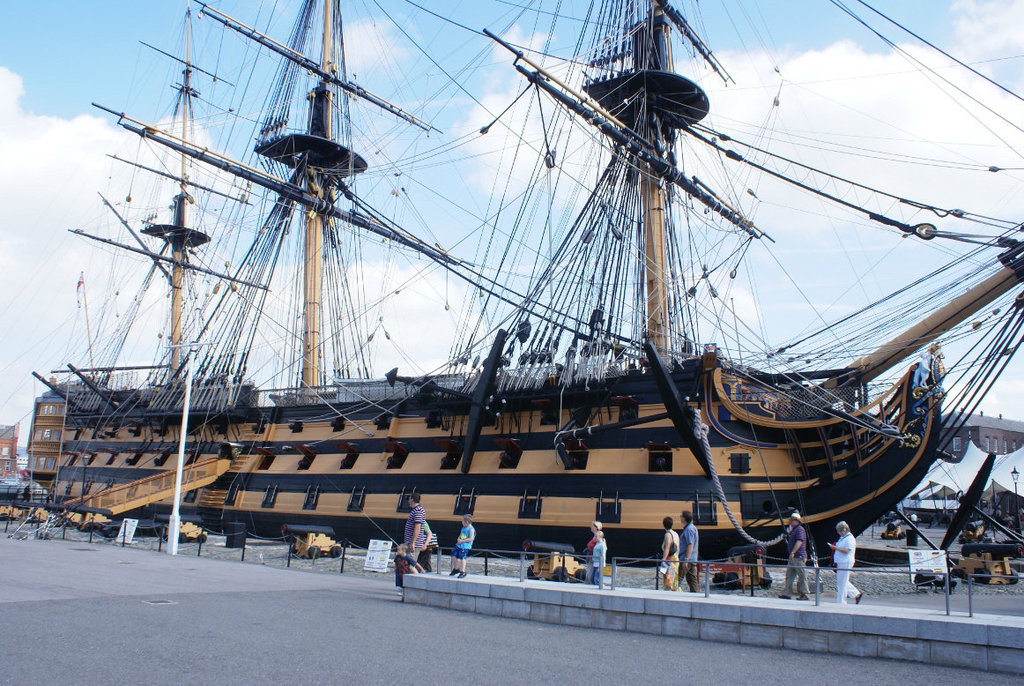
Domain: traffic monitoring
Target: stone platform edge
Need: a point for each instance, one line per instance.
(986, 642)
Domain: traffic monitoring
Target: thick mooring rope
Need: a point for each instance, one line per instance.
(701, 431)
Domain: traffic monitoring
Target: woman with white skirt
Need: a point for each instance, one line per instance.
(844, 553)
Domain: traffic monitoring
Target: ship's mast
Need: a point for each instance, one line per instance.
(180, 204)
(652, 192)
(321, 103)
(177, 234)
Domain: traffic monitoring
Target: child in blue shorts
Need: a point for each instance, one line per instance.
(462, 546)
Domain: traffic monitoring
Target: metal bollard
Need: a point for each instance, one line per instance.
(124, 533)
(289, 564)
(657, 576)
(817, 585)
(945, 588)
(344, 551)
(90, 532)
(522, 567)
(160, 541)
(707, 580)
(970, 595)
(438, 565)
(243, 554)
(611, 583)
(485, 563)
(199, 553)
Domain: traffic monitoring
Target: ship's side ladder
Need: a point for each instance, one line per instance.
(156, 487)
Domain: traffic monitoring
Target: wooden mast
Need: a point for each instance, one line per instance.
(652, 193)
(312, 263)
(180, 202)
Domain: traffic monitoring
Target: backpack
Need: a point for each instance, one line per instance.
(430, 538)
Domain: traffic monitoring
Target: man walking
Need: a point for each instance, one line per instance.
(416, 532)
(688, 541)
(796, 566)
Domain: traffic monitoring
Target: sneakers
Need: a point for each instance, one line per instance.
(785, 597)
(453, 572)
(857, 599)
(462, 575)
(802, 597)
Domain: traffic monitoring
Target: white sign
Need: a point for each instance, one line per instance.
(377, 556)
(927, 562)
(127, 531)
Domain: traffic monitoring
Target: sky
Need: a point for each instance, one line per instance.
(58, 57)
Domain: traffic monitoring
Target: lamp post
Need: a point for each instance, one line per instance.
(174, 521)
(1016, 503)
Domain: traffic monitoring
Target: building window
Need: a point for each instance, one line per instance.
(1005, 449)
(956, 444)
(988, 445)
(6, 450)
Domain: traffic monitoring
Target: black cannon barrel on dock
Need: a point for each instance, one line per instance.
(303, 529)
(998, 551)
(84, 509)
(531, 546)
(750, 552)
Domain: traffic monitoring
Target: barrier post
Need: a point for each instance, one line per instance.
(90, 532)
(970, 595)
(199, 553)
(657, 576)
(945, 588)
(160, 540)
(344, 551)
(243, 553)
(485, 563)
(817, 585)
(289, 564)
(124, 532)
(438, 565)
(522, 566)
(707, 580)
(611, 583)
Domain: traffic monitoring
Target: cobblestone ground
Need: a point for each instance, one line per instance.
(874, 581)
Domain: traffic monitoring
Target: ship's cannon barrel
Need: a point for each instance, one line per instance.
(751, 552)
(303, 529)
(998, 551)
(531, 546)
(84, 509)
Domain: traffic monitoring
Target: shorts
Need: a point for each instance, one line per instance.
(460, 553)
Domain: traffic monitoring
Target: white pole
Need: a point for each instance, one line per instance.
(174, 522)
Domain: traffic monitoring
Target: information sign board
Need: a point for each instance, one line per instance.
(377, 556)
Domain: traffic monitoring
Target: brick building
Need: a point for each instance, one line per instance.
(8, 450)
(991, 434)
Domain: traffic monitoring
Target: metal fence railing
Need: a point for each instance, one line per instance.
(715, 576)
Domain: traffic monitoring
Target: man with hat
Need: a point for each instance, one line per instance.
(796, 566)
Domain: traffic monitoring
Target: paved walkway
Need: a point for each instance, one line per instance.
(75, 613)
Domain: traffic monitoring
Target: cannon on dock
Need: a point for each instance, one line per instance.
(311, 541)
(893, 532)
(554, 562)
(744, 568)
(989, 563)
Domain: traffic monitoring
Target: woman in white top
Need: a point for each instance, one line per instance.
(597, 560)
(844, 553)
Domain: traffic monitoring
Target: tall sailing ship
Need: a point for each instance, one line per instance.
(600, 368)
